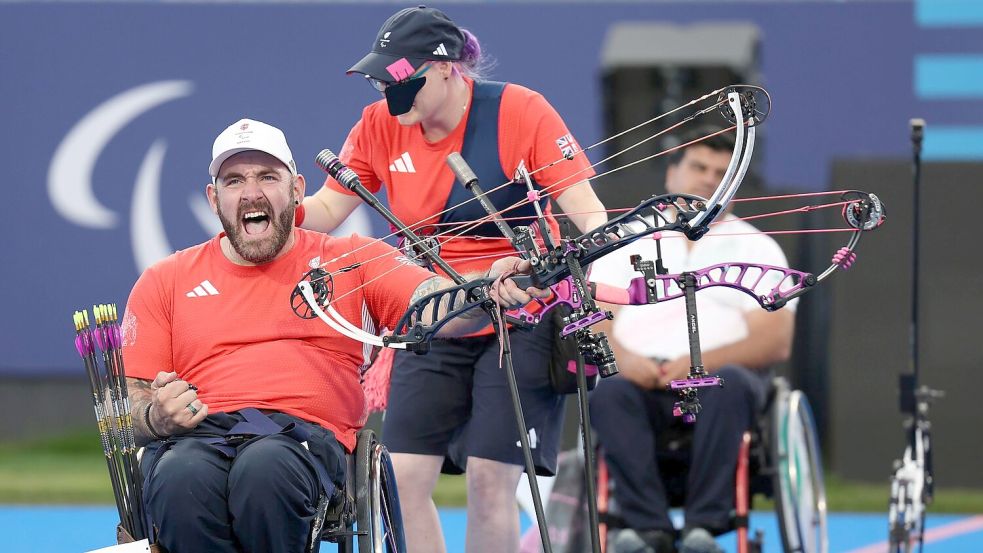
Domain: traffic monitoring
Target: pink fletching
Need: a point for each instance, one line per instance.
(844, 258)
(115, 338)
(101, 339)
(83, 344)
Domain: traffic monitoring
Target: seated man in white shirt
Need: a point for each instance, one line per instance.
(740, 341)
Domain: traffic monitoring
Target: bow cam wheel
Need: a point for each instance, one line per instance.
(755, 104)
(323, 287)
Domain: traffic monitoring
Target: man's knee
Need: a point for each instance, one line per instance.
(416, 475)
(187, 490)
(189, 469)
(274, 466)
(491, 482)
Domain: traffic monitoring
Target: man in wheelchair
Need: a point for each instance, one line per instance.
(241, 459)
(632, 411)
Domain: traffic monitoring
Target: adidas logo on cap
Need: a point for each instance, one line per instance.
(440, 51)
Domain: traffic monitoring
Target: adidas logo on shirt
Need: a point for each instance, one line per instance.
(440, 51)
(203, 289)
(402, 164)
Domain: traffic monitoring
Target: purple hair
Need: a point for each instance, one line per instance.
(472, 62)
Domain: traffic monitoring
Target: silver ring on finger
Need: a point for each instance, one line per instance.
(193, 409)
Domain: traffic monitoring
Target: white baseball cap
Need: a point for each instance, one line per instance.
(245, 135)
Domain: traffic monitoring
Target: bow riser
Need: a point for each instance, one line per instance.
(743, 277)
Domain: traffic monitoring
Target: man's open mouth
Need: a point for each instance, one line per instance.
(255, 222)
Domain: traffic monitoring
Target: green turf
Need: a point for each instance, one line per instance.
(69, 469)
(72, 469)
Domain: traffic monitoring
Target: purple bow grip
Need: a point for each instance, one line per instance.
(563, 293)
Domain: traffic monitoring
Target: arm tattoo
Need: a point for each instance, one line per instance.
(427, 287)
(140, 397)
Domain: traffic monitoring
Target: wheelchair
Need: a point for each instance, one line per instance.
(779, 458)
(368, 506)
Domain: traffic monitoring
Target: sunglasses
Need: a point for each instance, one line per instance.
(401, 95)
(381, 85)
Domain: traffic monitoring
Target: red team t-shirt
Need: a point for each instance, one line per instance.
(418, 181)
(230, 330)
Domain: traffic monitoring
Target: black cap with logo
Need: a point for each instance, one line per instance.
(408, 39)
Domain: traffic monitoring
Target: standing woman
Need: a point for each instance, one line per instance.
(451, 408)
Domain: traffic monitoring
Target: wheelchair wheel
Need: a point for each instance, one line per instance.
(378, 518)
(800, 492)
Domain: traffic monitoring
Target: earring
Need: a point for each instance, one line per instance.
(296, 202)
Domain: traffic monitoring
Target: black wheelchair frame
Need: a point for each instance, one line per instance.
(367, 508)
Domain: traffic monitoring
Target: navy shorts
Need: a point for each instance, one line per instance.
(455, 401)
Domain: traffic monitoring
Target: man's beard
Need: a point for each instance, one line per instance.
(265, 250)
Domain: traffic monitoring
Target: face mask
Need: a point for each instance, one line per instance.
(400, 96)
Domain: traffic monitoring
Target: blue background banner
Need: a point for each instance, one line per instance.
(109, 110)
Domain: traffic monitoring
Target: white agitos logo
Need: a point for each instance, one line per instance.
(70, 176)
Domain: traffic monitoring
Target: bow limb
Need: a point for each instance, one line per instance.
(737, 167)
(336, 321)
(864, 213)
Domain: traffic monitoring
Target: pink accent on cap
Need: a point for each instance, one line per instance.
(400, 69)
(532, 195)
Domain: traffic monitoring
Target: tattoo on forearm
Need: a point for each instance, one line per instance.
(140, 397)
(426, 288)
